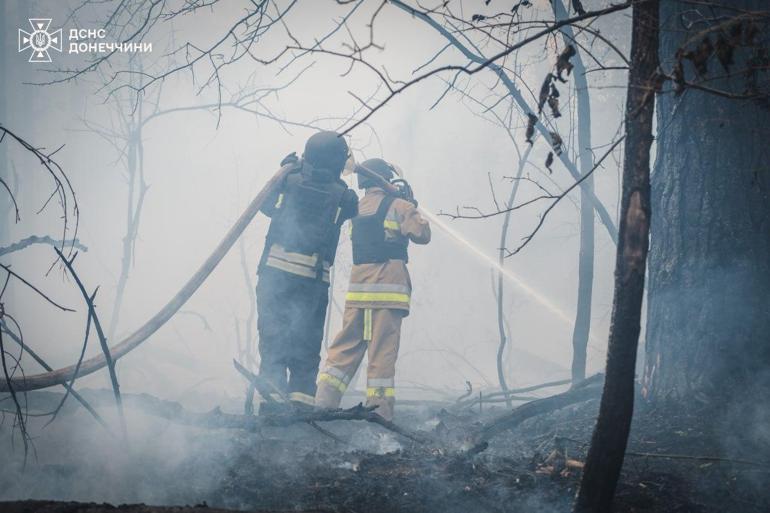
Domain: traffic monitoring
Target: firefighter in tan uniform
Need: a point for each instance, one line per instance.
(378, 295)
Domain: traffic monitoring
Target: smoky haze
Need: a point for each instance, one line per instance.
(203, 166)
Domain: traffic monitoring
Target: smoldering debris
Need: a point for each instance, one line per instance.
(32, 506)
(533, 466)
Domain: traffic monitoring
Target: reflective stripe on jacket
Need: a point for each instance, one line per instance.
(306, 214)
(295, 263)
(379, 292)
(387, 284)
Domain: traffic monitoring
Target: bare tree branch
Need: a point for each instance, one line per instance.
(471, 70)
(35, 289)
(45, 239)
(102, 339)
(26, 349)
(557, 199)
(62, 187)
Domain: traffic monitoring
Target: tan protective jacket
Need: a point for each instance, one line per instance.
(387, 284)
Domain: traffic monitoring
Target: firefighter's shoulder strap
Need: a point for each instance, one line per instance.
(384, 207)
(305, 224)
(370, 244)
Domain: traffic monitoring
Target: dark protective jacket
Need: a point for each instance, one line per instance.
(306, 213)
(370, 244)
(386, 284)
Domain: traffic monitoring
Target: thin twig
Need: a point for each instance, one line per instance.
(102, 339)
(62, 186)
(468, 70)
(556, 200)
(56, 411)
(17, 217)
(19, 340)
(562, 196)
(37, 290)
(19, 413)
(716, 459)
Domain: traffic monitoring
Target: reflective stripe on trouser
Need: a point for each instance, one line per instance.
(367, 333)
(334, 378)
(348, 349)
(299, 397)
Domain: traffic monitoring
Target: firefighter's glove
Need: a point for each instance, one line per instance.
(291, 158)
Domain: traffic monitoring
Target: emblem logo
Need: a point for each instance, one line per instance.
(40, 40)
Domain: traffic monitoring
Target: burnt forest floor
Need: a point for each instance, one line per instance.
(532, 468)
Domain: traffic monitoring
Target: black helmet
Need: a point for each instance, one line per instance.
(378, 166)
(327, 150)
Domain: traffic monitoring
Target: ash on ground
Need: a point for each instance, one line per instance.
(672, 465)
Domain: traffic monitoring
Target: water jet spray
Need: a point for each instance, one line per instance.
(463, 243)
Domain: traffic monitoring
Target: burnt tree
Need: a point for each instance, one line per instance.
(610, 436)
(708, 323)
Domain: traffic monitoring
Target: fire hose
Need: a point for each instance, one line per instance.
(65, 374)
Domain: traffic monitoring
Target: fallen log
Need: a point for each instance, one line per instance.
(217, 419)
(587, 389)
(63, 375)
(267, 389)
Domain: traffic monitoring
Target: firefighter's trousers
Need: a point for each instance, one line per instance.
(291, 312)
(376, 330)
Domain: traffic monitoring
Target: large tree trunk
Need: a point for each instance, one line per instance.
(708, 322)
(608, 443)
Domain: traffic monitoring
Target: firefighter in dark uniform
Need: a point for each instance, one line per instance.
(306, 213)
